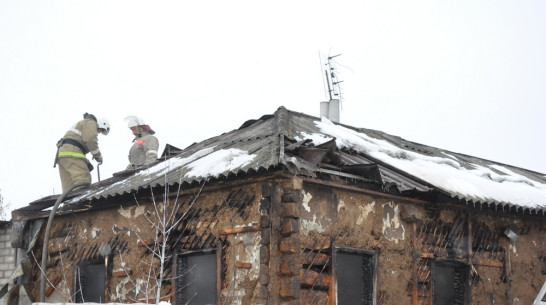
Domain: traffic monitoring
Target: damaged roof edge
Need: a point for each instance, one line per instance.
(278, 139)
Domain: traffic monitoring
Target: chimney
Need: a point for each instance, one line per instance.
(330, 110)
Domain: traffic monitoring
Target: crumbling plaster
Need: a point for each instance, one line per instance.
(243, 248)
(393, 228)
(366, 222)
(323, 209)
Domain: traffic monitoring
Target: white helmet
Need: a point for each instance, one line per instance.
(133, 121)
(104, 125)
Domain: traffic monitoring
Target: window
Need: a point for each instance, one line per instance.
(196, 281)
(90, 283)
(449, 282)
(355, 276)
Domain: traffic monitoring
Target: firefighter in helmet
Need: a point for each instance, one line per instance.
(145, 144)
(79, 140)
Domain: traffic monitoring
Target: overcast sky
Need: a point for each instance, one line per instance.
(467, 76)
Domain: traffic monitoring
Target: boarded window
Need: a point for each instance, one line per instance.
(355, 276)
(90, 283)
(196, 281)
(449, 282)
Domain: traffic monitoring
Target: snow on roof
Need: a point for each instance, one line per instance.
(493, 183)
(203, 163)
(411, 166)
(218, 162)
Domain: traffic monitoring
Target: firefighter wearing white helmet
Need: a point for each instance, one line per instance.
(145, 144)
(79, 140)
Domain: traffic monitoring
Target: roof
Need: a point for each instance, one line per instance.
(309, 146)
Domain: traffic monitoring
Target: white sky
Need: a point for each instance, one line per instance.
(467, 76)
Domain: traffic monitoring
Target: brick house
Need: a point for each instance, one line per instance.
(292, 209)
(7, 255)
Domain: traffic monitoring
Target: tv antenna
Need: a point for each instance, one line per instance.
(332, 81)
(332, 108)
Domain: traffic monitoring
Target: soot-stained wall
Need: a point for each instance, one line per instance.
(410, 237)
(123, 238)
(276, 241)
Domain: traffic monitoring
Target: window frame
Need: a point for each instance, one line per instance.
(350, 250)
(455, 264)
(76, 280)
(219, 267)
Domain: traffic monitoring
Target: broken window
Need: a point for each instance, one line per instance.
(196, 281)
(355, 276)
(449, 282)
(90, 283)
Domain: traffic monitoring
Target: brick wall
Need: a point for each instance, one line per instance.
(7, 253)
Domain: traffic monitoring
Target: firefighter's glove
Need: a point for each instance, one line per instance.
(98, 158)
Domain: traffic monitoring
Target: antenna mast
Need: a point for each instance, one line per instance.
(331, 78)
(331, 108)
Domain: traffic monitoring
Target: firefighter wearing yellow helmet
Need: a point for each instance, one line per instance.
(145, 144)
(76, 143)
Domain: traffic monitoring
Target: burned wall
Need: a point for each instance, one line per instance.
(414, 242)
(278, 242)
(333, 218)
(498, 272)
(123, 239)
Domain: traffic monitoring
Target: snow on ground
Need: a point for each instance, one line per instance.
(445, 173)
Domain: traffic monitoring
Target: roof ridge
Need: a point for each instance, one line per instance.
(281, 121)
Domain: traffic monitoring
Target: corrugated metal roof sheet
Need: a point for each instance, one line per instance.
(260, 145)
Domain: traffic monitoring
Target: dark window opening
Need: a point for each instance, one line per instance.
(449, 282)
(90, 282)
(355, 276)
(196, 281)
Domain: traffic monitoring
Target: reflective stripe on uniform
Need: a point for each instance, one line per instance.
(74, 130)
(151, 152)
(71, 154)
(94, 152)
